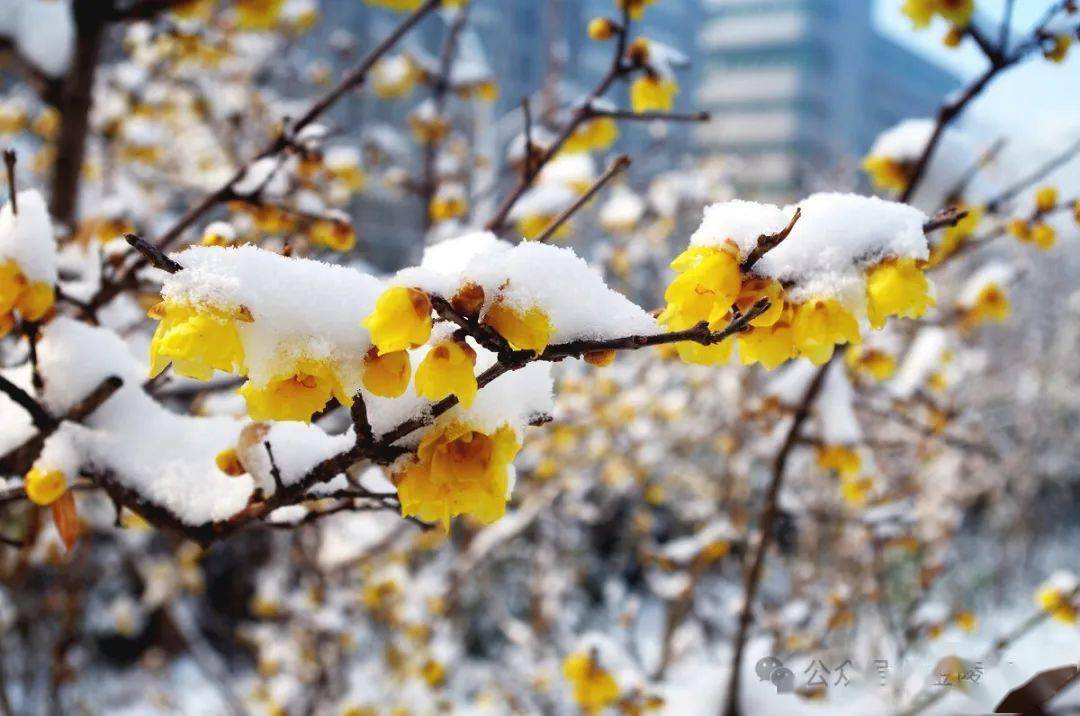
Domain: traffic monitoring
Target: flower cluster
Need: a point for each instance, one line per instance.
(806, 316)
(27, 261)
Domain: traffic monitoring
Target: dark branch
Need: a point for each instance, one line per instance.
(9, 164)
(153, 254)
(38, 414)
(617, 167)
(946, 217)
(631, 116)
(768, 242)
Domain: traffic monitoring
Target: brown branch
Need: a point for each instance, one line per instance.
(631, 116)
(153, 254)
(954, 107)
(768, 242)
(617, 167)
(352, 80)
(999, 201)
(19, 459)
(13, 194)
(580, 115)
(946, 217)
(765, 537)
(40, 417)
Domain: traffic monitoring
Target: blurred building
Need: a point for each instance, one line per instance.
(536, 49)
(799, 89)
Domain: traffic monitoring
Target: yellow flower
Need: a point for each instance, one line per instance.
(770, 346)
(213, 237)
(1043, 236)
(529, 331)
(448, 369)
(434, 673)
(870, 362)
(410, 5)
(334, 235)
(636, 7)
(991, 304)
(820, 325)
(295, 395)
(531, 226)
(1057, 604)
(257, 14)
(651, 93)
(35, 301)
(458, 470)
(956, 12)
(395, 77)
(7, 323)
(696, 353)
(1046, 198)
(47, 124)
(953, 236)
(594, 135)
(228, 461)
(44, 487)
(443, 208)
(197, 341)
(1062, 43)
(386, 375)
(896, 287)
(966, 620)
(600, 29)
(755, 289)
(841, 458)
(12, 284)
(920, 11)
(708, 283)
(855, 489)
(594, 688)
(194, 10)
(887, 173)
(1020, 229)
(401, 320)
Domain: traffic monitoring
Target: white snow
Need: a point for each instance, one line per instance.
(922, 359)
(43, 32)
(27, 237)
(301, 308)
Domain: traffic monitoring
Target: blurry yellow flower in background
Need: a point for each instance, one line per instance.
(458, 470)
(652, 93)
(595, 135)
(335, 235)
(257, 14)
(887, 173)
(841, 458)
(594, 688)
(871, 362)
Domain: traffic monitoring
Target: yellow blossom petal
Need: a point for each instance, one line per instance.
(448, 369)
(35, 301)
(401, 320)
(841, 458)
(651, 93)
(295, 396)
(594, 688)
(530, 330)
(896, 287)
(458, 470)
(387, 374)
(196, 341)
(820, 325)
(44, 487)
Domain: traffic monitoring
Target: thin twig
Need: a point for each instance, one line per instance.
(40, 417)
(153, 254)
(946, 217)
(631, 116)
(999, 201)
(275, 471)
(768, 242)
(9, 164)
(765, 533)
(617, 167)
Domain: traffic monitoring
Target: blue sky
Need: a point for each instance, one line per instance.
(1006, 107)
